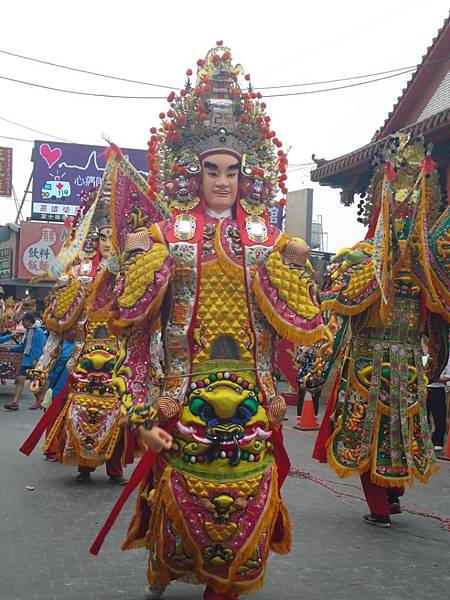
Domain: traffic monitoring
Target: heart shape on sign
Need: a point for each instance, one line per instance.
(50, 156)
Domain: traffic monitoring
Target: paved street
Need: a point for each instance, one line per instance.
(45, 534)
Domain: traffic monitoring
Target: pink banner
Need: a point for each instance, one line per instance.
(39, 244)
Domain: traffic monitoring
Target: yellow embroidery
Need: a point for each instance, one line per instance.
(65, 297)
(140, 273)
(292, 287)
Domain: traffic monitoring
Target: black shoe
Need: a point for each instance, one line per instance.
(116, 480)
(395, 508)
(377, 520)
(83, 477)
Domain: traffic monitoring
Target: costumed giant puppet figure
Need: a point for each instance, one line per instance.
(85, 430)
(384, 294)
(220, 284)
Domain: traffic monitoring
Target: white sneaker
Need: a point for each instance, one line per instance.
(153, 592)
(438, 448)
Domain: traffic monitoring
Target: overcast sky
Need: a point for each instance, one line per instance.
(278, 42)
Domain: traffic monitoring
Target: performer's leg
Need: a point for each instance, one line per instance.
(315, 398)
(51, 453)
(393, 495)
(431, 410)
(429, 405)
(301, 397)
(114, 464)
(377, 501)
(84, 473)
(438, 409)
(38, 397)
(210, 594)
(20, 382)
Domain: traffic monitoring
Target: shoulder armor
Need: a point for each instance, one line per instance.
(65, 307)
(350, 285)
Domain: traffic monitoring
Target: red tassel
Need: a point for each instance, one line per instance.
(389, 171)
(281, 457)
(428, 165)
(111, 149)
(373, 224)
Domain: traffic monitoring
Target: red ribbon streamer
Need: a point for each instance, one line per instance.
(47, 420)
(143, 467)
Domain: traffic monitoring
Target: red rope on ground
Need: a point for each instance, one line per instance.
(301, 474)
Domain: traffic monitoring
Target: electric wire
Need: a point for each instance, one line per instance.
(34, 130)
(124, 97)
(332, 89)
(16, 139)
(164, 86)
(52, 64)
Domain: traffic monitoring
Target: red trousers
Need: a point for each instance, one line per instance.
(378, 498)
(211, 595)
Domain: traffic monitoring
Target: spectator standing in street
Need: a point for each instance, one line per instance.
(437, 407)
(305, 361)
(57, 379)
(31, 347)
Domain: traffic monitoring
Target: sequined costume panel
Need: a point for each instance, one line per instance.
(379, 416)
(88, 427)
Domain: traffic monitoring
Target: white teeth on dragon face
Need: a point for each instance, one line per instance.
(257, 433)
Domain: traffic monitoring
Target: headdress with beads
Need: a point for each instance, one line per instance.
(398, 168)
(216, 115)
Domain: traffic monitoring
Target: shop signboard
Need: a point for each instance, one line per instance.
(5, 171)
(5, 263)
(63, 172)
(39, 244)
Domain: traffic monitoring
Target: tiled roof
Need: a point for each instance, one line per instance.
(443, 31)
(356, 159)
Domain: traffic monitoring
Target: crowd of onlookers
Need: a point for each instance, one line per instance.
(28, 339)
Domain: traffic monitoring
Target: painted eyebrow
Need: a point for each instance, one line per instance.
(210, 165)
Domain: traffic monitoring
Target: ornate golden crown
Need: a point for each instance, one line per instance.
(401, 160)
(215, 115)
